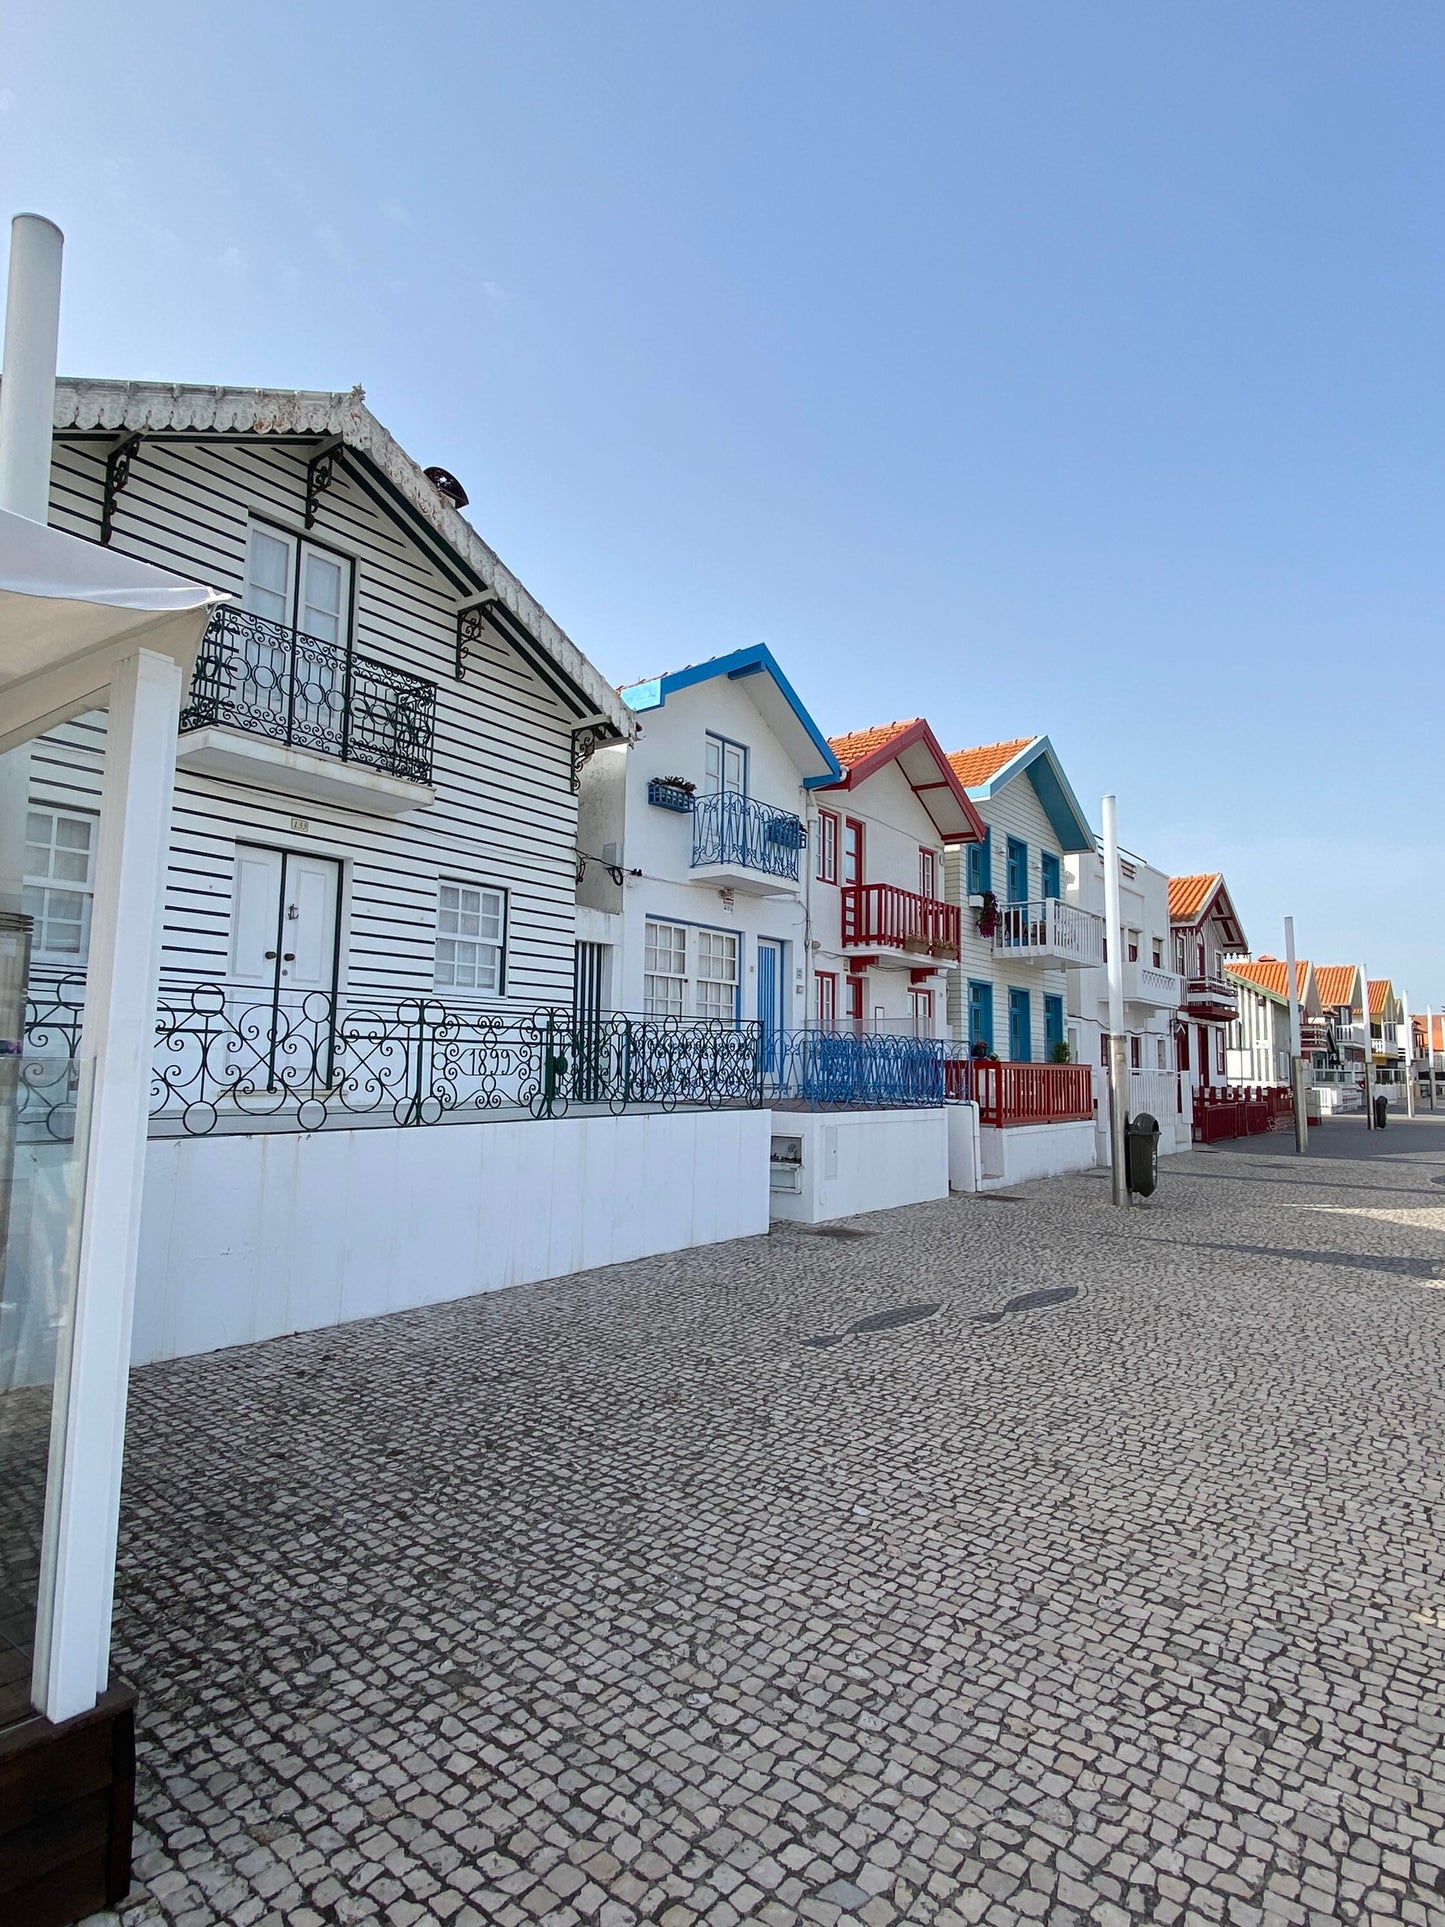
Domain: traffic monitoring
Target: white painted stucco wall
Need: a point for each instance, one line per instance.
(245, 1238)
(862, 1161)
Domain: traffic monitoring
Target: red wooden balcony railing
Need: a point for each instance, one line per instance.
(1032, 1093)
(880, 916)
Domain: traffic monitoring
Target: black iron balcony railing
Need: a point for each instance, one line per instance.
(259, 677)
(738, 830)
(231, 1057)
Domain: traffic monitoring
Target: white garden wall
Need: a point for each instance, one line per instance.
(1022, 1151)
(856, 1161)
(245, 1238)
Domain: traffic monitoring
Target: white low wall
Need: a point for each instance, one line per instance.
(244, 1238)
(856, 1161)
(1023, 1151)
(964, 1159)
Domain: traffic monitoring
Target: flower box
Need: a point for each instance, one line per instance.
(943, 949)
(669, 796)
(787, 832)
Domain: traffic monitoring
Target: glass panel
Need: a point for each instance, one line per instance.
(322, 581)
(41, 1182)
(268, 577)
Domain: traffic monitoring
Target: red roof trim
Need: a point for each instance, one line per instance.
(889, 752)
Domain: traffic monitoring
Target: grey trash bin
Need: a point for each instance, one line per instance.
(1141, 1154)
(1382, 1110)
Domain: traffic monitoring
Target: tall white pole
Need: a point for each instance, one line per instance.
(1118, 1042)
(1296, 1050)
(1369, 1052)
(32, 336)
(1409, 1030)
(1430, 1048)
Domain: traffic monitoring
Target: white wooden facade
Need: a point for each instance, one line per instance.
(1010, 992)
(1206, 933)
(1257, 1046)
(455, 880)
(694, 893)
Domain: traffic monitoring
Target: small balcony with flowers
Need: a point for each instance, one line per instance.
(898, 927)
(1046, 930)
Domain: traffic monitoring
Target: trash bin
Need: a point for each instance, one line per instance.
(1382, 1110)
(1141, 1154)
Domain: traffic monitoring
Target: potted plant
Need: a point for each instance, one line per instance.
(1060, 1053)
(988, 914)
(944, 947)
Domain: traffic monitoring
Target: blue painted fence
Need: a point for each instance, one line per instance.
(860, 1068)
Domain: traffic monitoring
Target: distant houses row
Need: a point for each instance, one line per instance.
(427, 866)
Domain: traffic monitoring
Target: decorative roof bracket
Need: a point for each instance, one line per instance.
(320, 473)
(471, 625)
(118, 458)
(584, 742)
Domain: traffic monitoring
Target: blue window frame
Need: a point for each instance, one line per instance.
(1053, 1022)
(980, 1014)
(980, 865)
(1018, 871)
(1020, 1027)
(1050, 875)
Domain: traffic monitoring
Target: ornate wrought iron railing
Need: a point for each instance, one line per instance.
(738, 830)
(229, 1057)
(864, 1069)
(257, 676)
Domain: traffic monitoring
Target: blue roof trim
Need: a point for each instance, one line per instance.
(1051, 786)
(755, 659)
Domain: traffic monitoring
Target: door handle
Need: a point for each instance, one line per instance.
(288, 956)
(270, 956)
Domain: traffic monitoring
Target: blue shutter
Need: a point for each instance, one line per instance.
(1050, 874)
(1020, 1027)
(1018, 871)
(1053, 1022)
(980, 1014)
(980, 865)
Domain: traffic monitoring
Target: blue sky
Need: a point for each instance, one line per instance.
(1051, 367)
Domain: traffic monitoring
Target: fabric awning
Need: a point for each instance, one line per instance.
(69, 610)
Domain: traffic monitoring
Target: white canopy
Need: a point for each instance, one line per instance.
(69, 610)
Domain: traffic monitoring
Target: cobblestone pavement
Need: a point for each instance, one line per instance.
(669, 1594)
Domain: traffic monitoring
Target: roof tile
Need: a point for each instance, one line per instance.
(975, 766)
(859, 743)
(1188, 895)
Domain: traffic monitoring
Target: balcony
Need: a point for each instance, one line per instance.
(1049, 931)
(1154, 988)
(903, 926)
(741, 844)
(1210, 1000)
(276, 707)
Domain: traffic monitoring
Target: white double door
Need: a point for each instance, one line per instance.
(283, 938)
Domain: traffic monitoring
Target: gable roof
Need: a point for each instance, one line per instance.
(1271, 975)
(773, 696)
(340, 430)
(1338, 985)
(1437, 1030)
(1193, 898)
(985, 770)
(923, 766)
(1382, 994)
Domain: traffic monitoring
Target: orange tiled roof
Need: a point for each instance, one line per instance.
(1336, 984)
(859, 743)
(1437, 1026)
(1188, 895)
(1270, 974)
(974, 766)
(1380, 989)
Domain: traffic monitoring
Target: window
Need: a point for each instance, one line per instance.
(980, 1015)
(717, 975)
(927, 874)
(1017, 867)
(827, 861)
(1020, 1027)
(1053, 1022)
(1219, 1052)
(59, 883)
(825, 998)
(1104, 1050)
(664, 982)
(471, 937)
(853, 995)
(980, 865)
(1132, 952)
(1050, 875)
(1158, 953)
(726, 768)
(297, 584)
(922, 1001)
(852, 850)
(1136, 1054)
(1160, 1054)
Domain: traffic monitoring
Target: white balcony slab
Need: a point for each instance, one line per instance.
(747, 882)
(299, 772)
(1155, 989)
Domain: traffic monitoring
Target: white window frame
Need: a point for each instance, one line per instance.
(299, 548)
(826, 868)
(476, 943)
(34, 884)
(721, 786)
(664, 992)
(711, 945)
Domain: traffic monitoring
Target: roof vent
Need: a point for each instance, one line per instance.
(445, 483)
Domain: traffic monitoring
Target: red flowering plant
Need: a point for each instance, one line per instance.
(988, 914)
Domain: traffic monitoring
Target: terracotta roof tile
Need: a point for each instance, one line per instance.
(1380, 989)
(1270, 974)
(1188, 895)
(859, 743)
(1336, 984)
(975, 766)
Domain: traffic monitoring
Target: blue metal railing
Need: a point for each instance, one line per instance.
(862, 1068)
(728, 828)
